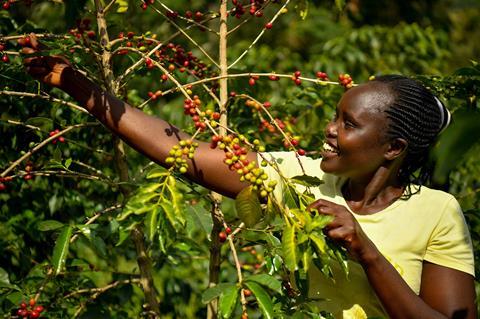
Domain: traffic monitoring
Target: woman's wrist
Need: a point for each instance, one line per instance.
(369, 256)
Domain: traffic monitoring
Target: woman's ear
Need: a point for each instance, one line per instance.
(397, 148)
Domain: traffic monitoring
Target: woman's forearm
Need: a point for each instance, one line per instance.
(398, 299)
(152, 136)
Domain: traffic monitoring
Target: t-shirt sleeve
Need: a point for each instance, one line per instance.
(450, 244)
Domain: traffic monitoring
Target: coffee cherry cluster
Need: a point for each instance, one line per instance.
(222, 236)
(296, 77)
(31, 312)
(179, 153)
(345, 80)
(60, 139)
(190, 107)
(236, 159)
(28, 169)
(82, 29)
(322, 76)
(145, 4)
(257, 106)
(4, 180)
(273, 77)
(266, 125)
(255, 8)
(253, 79)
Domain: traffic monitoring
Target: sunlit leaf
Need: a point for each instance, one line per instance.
(60, 251)
(169, 213)
(149, 188)
(289, 247)
(318, 241)
(151, 222)
(307, 180)
(264, 301)
(157, 172)
(215, 291)
(228, 300)
(290, 197)
(267, 281)
(248, 206)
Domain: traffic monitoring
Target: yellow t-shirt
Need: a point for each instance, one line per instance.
(429, 226)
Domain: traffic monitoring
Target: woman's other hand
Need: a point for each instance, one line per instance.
(345, 230)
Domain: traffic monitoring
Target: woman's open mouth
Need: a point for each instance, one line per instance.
(329, 150)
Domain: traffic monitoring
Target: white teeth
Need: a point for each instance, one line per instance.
(328, 148)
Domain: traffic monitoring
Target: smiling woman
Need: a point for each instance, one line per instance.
(410, 247)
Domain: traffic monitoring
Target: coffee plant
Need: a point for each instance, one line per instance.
(89, 227)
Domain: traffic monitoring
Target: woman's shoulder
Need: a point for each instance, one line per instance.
(436, 204)
(428, 194)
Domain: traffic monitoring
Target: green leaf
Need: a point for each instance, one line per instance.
(458, 139)
(264, 301)
(307, 180)
(215, 291)
(176, 198)
(290, 197)
(151, 223)
(5, 281)
(248, 206)
(67, 163)
(47, 225)
(289, 247)
(157, 172)
(267, 281)
(149, 188)
(318, 241)
(169, 213)
(60, 251)
(228, 300)
(306, 258)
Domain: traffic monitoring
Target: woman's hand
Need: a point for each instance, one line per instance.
(345, 230)
(48, 69)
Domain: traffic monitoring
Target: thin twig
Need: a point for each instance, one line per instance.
(259, 35)
(98, 291)
(42, 144)
(45, 97)
(188, 37)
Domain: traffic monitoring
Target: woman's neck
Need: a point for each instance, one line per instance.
(373, 194)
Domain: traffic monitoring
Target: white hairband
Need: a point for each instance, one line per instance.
(443, 111)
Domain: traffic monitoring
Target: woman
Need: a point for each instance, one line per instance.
(380, 135)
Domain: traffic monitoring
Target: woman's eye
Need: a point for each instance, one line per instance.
(349, 124)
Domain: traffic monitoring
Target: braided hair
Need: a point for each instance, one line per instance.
(416, 116)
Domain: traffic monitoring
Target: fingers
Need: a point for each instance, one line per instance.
(34, 42)
(317, 205)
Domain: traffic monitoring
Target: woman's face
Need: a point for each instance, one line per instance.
(355, 143)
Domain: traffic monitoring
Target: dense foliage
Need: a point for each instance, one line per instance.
(86, 228)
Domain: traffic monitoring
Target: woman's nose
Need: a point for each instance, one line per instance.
(331, 129)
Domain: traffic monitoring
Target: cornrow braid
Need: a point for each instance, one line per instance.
(416, 116)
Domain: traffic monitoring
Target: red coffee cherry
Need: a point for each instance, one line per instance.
(222, 237)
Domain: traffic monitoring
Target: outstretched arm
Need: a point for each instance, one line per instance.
(149, 135)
